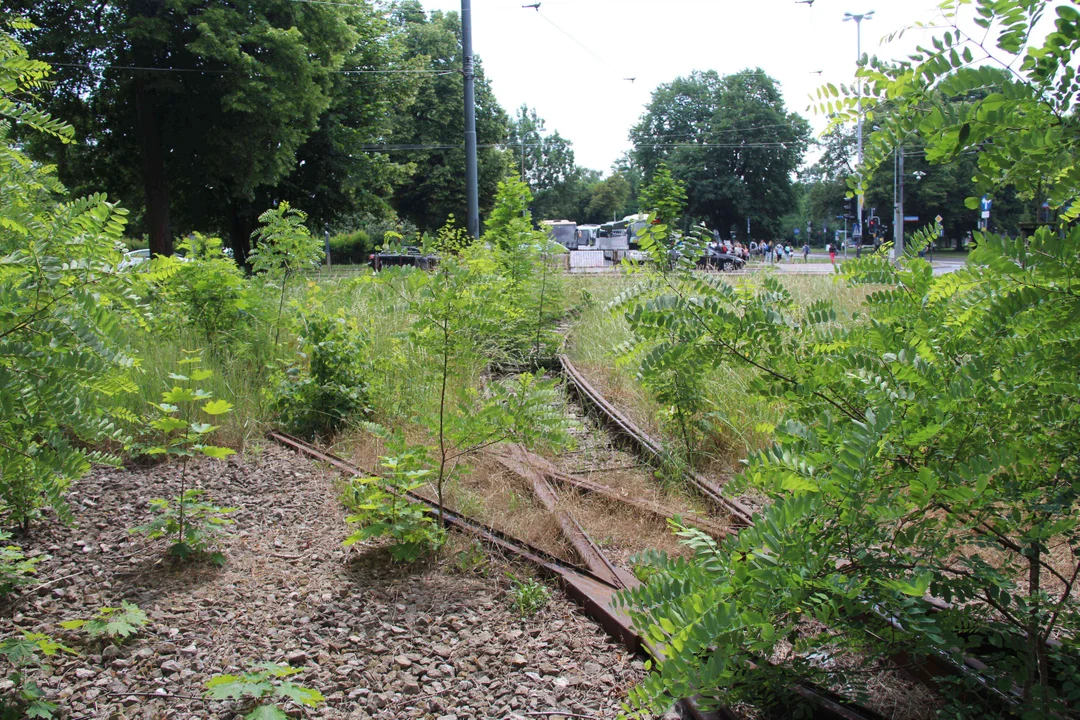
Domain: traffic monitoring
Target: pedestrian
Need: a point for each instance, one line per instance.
(787, 252)
(779, 252)
(806, 251)
(832, 253)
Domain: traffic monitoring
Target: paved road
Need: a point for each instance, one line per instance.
(798, 267)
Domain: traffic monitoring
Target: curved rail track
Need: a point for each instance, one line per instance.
(593, 587)
(928, 670)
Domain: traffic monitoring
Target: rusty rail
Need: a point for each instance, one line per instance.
(647, 507)
(593, 594)
(517, 460)
(645, 445)
(927, 670)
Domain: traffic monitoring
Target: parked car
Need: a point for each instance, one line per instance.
(410, 256)
(133, 258)
(713, 259)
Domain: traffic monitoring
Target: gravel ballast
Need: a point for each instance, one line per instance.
(378, 639)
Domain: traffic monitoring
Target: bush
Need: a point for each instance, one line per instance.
(63, 361)
(351, 248)
(326, 388)
(379, 506)
(209, 292)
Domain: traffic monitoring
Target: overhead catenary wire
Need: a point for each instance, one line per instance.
(212, 71)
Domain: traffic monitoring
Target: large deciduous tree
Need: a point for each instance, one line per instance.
(731, 140)
(429, 136)
(198, 106)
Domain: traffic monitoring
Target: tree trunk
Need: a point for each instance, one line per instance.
(155, 188)
(240, 229)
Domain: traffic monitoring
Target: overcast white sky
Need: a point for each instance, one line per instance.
(569, 59)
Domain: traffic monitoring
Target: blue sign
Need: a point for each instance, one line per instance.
(796, 231)
(856, 230)
(985, 203)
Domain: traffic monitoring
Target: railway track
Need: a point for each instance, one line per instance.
(929, 671)
(592, 585)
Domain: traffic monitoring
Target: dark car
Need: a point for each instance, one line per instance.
(713, 259)
(411, 256)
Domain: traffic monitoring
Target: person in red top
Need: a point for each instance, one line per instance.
(832, 253)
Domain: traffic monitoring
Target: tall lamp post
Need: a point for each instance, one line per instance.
(858, 18)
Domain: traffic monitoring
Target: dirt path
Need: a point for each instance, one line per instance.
(378, 640)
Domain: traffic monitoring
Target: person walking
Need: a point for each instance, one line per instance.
(832, 253)
(787, 252)
(806, 252)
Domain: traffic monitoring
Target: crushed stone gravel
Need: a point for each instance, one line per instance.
(378, 639)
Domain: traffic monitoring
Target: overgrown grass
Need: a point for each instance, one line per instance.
(740, 422)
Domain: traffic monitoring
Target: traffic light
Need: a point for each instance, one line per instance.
(849, 208)
(873, 225)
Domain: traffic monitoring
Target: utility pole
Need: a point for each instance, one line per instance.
(472, 192)
(858, 18)
(898, 203)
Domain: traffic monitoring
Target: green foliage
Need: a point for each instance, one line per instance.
(691, 125)
(284, 247)
(472, 559)
(528, 595)
(664, 197)
(431, 189)
(16, 569)
(461, 312)
(62, 358)
(351, 248)
(531, 290)
(208, 292)
(197, 525)
(997, 94)
(379, 506)
(24, 654)
(114, 624)
(922, 451)
(327, 387)
(264, 682)
(282, 122)
(182, 432)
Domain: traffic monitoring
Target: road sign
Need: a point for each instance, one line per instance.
(985, 204)
(796, 231)
(985, 214)
(911, 218)
(856, 230)
(938, 219)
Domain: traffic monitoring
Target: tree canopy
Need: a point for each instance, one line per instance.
(215, 100)
(733, 143)
(430, 132)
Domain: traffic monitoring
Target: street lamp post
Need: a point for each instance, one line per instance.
(858, 18)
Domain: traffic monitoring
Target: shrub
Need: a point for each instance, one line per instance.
(62, 355)
(327, 387)
(265, 681)
(351, 248)
(379, 506)
(15, 568)
(113, 624)
(24, 699)
(195, 523)
(208, 292)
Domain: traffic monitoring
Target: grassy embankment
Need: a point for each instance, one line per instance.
(740, 421)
